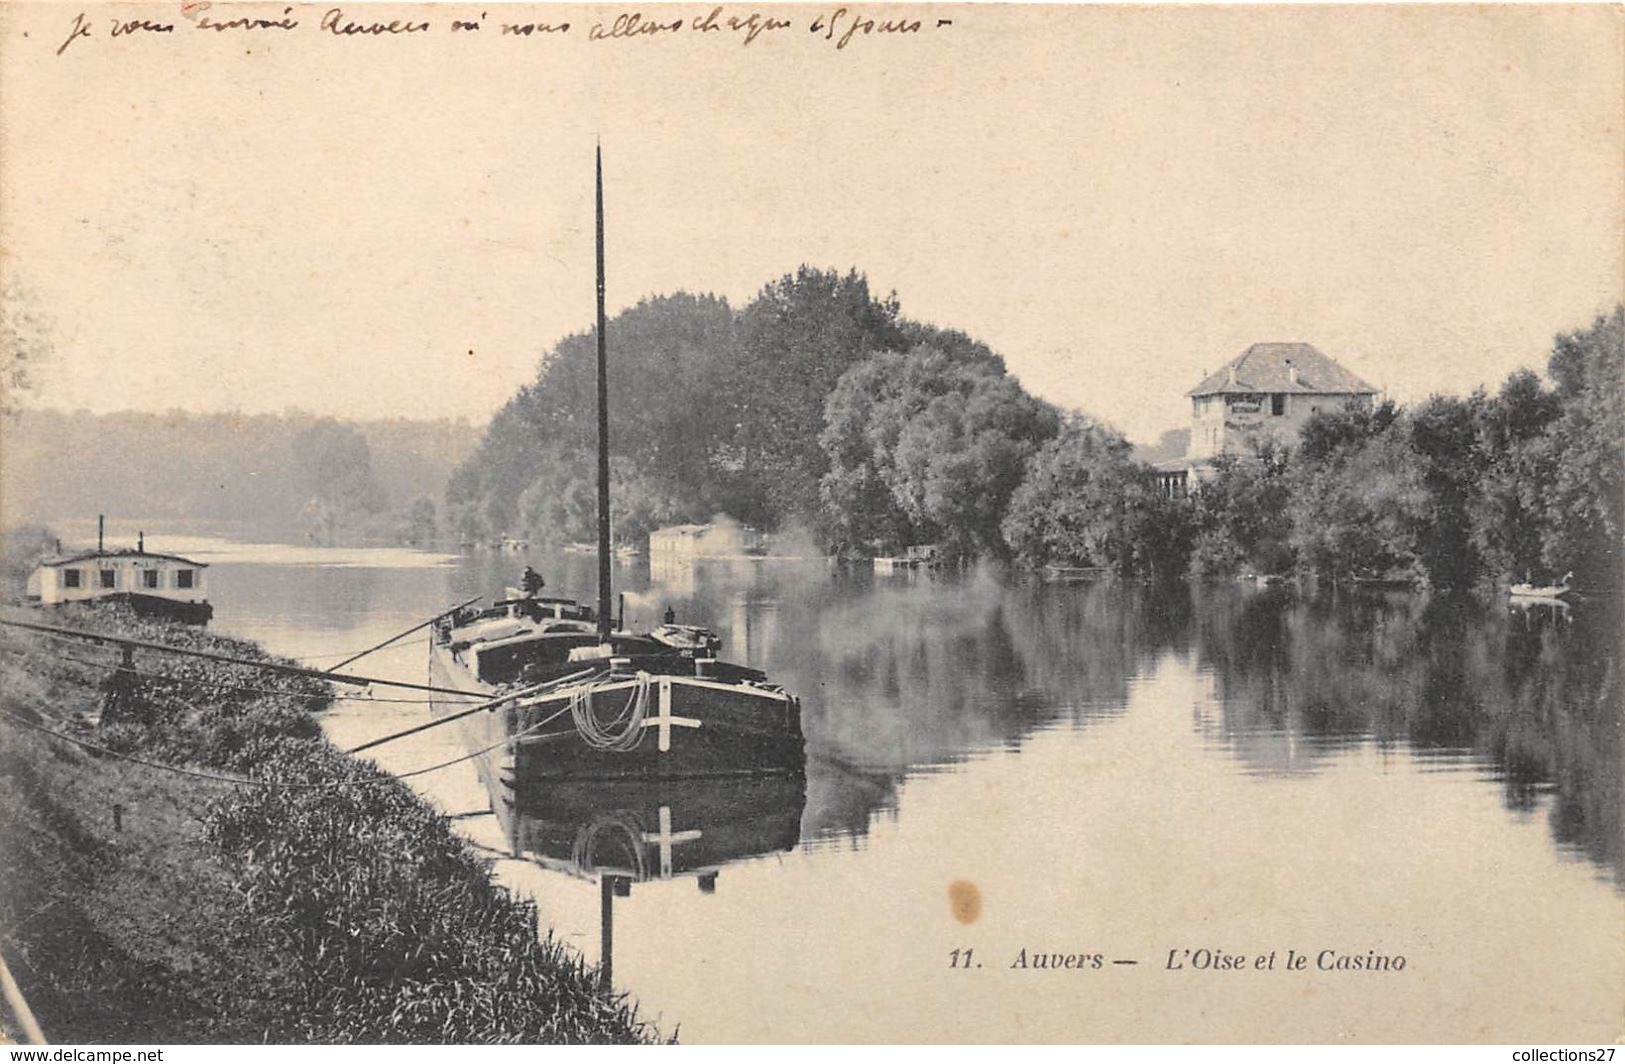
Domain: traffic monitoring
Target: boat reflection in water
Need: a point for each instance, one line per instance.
(621, 832)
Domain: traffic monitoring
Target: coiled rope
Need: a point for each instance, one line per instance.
(623, 732)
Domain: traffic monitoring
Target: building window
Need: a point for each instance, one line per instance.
(70, 578)
(183, 578)
(1277, 404)
(149, 578)
(109, 578)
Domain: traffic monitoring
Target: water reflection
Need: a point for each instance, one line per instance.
(1526, 698)
(900, 678)
(622, 832)
(1419, 766)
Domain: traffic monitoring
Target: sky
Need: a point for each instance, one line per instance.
(1117, 200)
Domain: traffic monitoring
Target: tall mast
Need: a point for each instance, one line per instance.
(603, 419)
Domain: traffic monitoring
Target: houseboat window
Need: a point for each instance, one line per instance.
(149, 578)
(109, 578)
(1278, 404)
(183, 578)
(70, 578)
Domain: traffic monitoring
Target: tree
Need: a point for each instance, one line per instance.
(1241, 517)
(418, 527)
(926, 446)
(1585, 508)
(22, 548)
(797, 338)
(1083, 501)
(334, 468)
(669, 432)
(1445, 438)
(1357, 496)
(1508, 513)
(859, 439)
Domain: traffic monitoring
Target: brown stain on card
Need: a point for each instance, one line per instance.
(965, 901)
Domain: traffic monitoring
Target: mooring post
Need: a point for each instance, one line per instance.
(122, 701)
(606, 930)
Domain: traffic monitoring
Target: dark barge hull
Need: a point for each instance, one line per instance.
(693, 727)
(153, 606)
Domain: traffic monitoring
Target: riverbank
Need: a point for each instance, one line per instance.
(322, 903)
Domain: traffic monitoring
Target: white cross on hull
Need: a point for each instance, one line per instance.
(664, 720)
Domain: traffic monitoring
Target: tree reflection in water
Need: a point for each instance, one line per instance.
(921, 672)
(1528, 696)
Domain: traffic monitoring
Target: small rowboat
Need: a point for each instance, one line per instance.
(1551, 593)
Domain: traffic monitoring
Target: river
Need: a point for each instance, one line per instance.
(1204, 797)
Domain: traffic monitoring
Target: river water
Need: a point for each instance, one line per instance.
(1182, 780)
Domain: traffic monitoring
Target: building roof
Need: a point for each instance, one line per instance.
(1183, 465)
(681, 530)
(1268, 368)
(121, 552)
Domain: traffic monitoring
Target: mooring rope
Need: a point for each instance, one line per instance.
(624, 731)
(492, 703)
(245, 781)
(197, 681)
(296, 670)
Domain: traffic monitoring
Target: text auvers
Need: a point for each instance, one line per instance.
(335, 23)
(1038, 960)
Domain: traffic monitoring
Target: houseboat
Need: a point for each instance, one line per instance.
(720, 540)
(160, 585)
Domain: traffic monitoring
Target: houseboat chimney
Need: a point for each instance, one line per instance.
(603, 415)
(141, 543)
(1230, 373)
(1291, 372)
(101, 531)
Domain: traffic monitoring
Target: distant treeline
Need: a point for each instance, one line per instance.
(281, 474)
(819, 406)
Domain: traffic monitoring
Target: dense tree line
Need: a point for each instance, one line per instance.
(777, 414)
(820, 405)
(1455, 493)
(1523, 484)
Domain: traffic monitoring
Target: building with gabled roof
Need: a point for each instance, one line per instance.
(1282, 368)
(1267, 393)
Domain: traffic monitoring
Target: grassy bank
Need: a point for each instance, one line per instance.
(140, 905)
